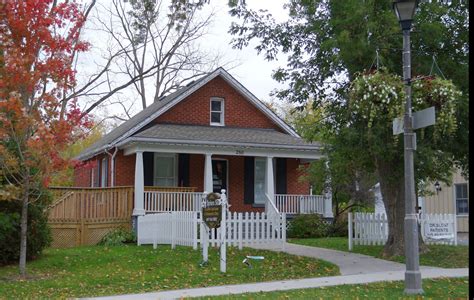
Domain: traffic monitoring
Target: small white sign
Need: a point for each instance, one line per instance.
(439, 230)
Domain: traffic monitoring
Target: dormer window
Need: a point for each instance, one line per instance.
(217, 111)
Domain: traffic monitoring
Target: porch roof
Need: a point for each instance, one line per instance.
(249, 138)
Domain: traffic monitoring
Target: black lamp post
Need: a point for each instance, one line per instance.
(405, 10)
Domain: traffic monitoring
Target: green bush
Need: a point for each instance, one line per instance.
(307, 226)
(338, 228)
(38, 234)
(118, 236)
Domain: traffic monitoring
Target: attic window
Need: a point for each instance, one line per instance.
(217, 111)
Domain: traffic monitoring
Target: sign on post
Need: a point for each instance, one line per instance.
(439, 228)
(214, 212)
(212, 216)
(423, 118)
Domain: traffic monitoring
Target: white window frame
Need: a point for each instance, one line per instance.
(175, 167)
(103, 172)
(264, 160)
(456, 198)
(222, 114)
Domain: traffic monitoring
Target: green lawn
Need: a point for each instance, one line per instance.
(99, 270)
(442, 288)
(443, 256)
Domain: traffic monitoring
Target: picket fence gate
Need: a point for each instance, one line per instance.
(372, 229)
(187, 229)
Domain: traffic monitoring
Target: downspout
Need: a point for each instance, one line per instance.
(112, 165)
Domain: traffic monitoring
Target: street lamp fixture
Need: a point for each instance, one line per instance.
(437, 186)
(405, 10)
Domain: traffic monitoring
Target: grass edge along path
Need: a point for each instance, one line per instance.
(439, 288)
(99, 271)
(442, 256)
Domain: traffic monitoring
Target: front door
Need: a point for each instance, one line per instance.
(219, 175)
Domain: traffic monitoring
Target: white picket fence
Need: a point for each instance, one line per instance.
(372, 229)
(187, 228)
(174, 228)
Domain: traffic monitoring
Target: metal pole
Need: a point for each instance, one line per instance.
(412, 273)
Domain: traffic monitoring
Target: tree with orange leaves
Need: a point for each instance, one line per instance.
(38, 39)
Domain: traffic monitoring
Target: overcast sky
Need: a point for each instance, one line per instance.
(252, 70)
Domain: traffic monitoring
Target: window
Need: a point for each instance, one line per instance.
(462, 207)
(104, 172)
(260, 166)
(217, 111)
(165, 170)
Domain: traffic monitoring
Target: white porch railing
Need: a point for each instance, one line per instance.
(300, 204)
(157, 201)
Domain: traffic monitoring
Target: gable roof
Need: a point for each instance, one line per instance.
(141, 119)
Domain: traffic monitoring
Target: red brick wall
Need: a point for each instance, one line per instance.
(82, 173)
(124, 170)
(238, 111)
(293, 173)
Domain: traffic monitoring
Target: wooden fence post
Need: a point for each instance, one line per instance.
(83, 233)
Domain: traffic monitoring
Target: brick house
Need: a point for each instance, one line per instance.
(211, 135)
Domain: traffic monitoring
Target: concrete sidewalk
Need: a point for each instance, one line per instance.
(349, 263)
(290, 284)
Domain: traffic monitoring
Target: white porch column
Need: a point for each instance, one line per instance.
(208, 182)
(328, 197)
(139, 209)
(269, 179)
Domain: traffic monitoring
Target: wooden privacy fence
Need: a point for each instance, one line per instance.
(187, 229)
(372, 229)
(83, 216)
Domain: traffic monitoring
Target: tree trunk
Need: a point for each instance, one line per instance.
(392, 188)
(24, 227)
(394, 201)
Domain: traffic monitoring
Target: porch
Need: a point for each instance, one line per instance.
(252, 184)
(160, 201)
(76, 204)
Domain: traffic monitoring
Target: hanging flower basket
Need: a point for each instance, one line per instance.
(379, 97)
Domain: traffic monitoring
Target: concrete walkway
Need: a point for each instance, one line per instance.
(349, 263)
(289, 284)
(355, 269)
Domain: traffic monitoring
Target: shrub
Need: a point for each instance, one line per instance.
(118, 236)
(339, 227)
(307, 226)
(38, 234)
